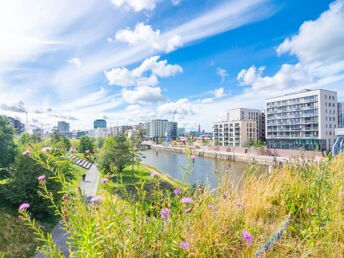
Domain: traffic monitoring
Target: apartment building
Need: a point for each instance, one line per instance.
(234, 133)
(302, 120)
(341, 114)
(161, 128)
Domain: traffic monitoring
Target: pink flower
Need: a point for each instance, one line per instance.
(247, 237)
(186, 200)
(225, 196)
(87, 152)
(26, 152)
(154, 174)
(164, 213)
(193, 157)
(72, 150)
(184, 245)
(111, 176)
(46, 149)
(239, 204)
(309, 210)
(96, 199)
(210, 206)
(65, 197)
(24, 206)
(188, 210)
(78, 188)
(41, 178)
(177, 191)
(105, 180)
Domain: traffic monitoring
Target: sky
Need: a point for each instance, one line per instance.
(189, 61)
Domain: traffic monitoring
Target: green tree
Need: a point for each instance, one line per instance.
(115, 153)
(8, 149)
(86, 143)
(55, 136)
(100, 142)
(64, 143)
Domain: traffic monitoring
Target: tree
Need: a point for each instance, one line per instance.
(64, 143)
(8, 149)
(115, 153)
(85, 144)
(55, 136)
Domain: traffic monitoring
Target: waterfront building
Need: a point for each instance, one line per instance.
(302, 120)
(99, 123)
(234, 133)
(161, 128)
(17, 124)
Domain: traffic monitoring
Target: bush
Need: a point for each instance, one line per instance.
(86, 143)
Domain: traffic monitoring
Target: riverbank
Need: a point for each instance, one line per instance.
(233, 156)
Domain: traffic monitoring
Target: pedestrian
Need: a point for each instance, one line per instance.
(83, 177)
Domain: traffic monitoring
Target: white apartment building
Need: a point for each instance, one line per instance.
(161, 128)
(302, 120)
(234, 133)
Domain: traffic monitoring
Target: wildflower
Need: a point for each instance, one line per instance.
(177, 191)
(41, 178)
(154, 174)
(96, 199)
(24, 206)
(65, 197)
(46, 149)
(164, 213)
(104, 180)
(247, 237)
(210, 206)
(184, 245)
(111, 176)
(71, 150)
(26, 152)
(188, 210)
(193, 157)
(78, 188)
(186, 200)
(239, 204)
(87, 152)
(309, 210)
(225, 196)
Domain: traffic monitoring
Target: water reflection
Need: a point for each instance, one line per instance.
(204, 170)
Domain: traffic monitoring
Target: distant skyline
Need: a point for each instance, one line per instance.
(184, 60)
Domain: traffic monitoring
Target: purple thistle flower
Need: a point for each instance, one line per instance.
(177, 191)
(26, 152)
(87, 152)
(225, 196)
(104, 180)
(71, 150)
(65, 197)
(46, 149)
(309, 210)
(193, 157)
(24, 206)
(96, 199)
(164, 213)
(247, 237)
(184, 245)
(78, 188)
(188, 210)
(186, 200)
(111, 176)
(41, 178)
(210, 206)
(239, 204)
(154, 174)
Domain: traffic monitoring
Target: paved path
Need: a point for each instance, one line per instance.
(88, 187)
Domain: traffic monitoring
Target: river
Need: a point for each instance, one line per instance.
(204, 170)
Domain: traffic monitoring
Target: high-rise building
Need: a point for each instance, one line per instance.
(63, 127)
(302, 120)
(161, 128)
(341, 114)
(17, 124)
(99, 123)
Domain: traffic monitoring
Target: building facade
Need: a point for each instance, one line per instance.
(17, 124)
(302, 120)
(99, 123)
(63, 126)
(341, 114)
(234, 133)
(161, 128)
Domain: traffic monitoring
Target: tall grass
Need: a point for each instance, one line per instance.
(157, 223)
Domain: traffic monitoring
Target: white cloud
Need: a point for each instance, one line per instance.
(75, 61)
(222, 73)
(181, 107)
(142, 94)
(136, 5)
(144, 34)
(136, 77)
(176, 2)
(219, 93)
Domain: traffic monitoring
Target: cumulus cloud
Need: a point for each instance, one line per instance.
(18, 107)
(142, 94)
(137, 77)
(181, 107)
(144, 34)
(136, 5)
(222, 73)
(75, 61)
(219, 93)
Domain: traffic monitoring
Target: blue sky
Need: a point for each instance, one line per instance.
(186, 60)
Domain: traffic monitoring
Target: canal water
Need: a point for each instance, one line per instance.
(206, 171)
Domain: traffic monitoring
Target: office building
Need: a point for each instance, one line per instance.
(341, 114)
(99, 123)
(63, 127)
(17, 124)
(302, 120)
(161, 128)
(234, 133)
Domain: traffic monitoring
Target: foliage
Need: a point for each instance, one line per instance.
(115, 153)
(202, 223)
(86, 143)
(99, 142)
(8, 149)
(63, 143)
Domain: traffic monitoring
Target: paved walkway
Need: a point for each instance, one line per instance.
(88, 187)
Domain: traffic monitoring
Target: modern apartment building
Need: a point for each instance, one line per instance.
(17, 124)
(302, 120)
(99, 123)
(341, 114)
(234, 133)
(63, 126)
(161, 128)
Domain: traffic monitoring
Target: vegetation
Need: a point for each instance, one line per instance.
(8, 149)
(86, 144)
(307, 200)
